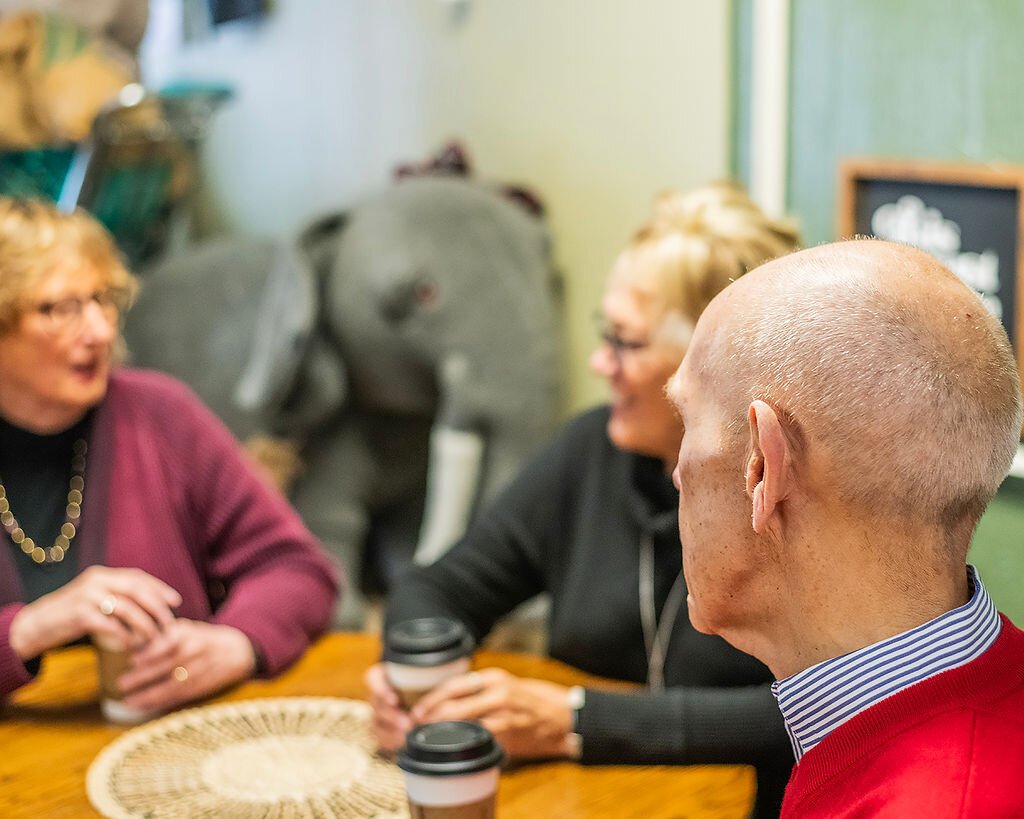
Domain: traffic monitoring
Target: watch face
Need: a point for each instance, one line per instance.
(574, 746)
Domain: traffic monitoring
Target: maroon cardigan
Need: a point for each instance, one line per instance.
(168, 490)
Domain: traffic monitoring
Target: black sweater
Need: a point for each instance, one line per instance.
(571, 525)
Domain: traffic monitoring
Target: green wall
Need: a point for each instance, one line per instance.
(927, 79)
(922, 79)
(998, 551)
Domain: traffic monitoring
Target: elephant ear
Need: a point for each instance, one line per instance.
(292, 374)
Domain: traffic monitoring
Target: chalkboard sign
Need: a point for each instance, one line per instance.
(969, 216)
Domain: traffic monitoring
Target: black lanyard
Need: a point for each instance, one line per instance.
(657, 632)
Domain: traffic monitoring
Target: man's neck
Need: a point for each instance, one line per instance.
(832, 613)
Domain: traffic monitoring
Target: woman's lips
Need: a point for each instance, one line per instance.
(86, 372)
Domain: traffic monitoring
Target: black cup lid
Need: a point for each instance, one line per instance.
(427, 641)
(449, 749)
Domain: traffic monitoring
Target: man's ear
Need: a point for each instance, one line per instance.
(766, 472)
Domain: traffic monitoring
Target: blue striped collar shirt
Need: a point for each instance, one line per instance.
(818, 699)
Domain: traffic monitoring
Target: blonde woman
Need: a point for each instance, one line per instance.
(592, 522)
(128, 511)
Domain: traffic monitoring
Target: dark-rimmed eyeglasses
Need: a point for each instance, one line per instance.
(66, 315)
(621, 347)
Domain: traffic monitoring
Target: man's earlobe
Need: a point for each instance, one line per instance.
(767, 475)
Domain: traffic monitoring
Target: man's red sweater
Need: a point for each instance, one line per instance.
(950, 746)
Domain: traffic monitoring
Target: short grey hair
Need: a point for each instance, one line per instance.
(913, 390)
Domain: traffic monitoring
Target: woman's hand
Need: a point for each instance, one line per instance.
(390, 721)
(124, 606)
(189, 659)
(530, 718)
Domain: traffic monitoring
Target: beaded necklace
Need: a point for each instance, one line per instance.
(61, 544)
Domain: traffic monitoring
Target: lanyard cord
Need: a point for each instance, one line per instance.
(656, 633)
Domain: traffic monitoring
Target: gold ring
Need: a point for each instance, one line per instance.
(180, 673)
(108, 605)
(477, 680)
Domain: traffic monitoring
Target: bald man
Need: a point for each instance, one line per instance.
(850, 411)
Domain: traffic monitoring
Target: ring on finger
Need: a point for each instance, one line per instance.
(180, 673)
(108, 605)
(477, 681)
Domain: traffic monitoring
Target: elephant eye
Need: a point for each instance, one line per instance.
(407, 298)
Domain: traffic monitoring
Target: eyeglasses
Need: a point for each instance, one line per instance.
(621, 347)
(66, 315)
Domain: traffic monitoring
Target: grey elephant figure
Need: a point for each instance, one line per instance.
(409, 345)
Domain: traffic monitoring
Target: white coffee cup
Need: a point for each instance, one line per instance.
(451, 771)
(420, 654)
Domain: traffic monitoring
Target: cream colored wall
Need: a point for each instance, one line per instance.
(594, 104)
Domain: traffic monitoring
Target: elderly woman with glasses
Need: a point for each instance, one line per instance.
(592, 522)
(129, 513)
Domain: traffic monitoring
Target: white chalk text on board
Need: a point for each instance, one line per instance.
(911, 221)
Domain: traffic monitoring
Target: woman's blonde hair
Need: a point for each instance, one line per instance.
(36, 239)
(696, 243)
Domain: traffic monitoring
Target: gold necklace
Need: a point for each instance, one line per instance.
(61, 544)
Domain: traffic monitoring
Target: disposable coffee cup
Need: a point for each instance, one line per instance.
(451, 771)
(112, 661)
(422, 653)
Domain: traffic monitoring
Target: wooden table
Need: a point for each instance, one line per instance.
(52, 729)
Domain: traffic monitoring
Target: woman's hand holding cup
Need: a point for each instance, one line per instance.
(187, 660)
(419, 654)
(123, 607)
(425, 678)
(530, 718)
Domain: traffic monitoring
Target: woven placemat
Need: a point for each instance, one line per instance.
(281, 758)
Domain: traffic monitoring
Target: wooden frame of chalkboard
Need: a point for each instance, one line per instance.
(969, 215)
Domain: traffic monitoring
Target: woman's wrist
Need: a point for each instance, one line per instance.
(21, 636)
(248, 657)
